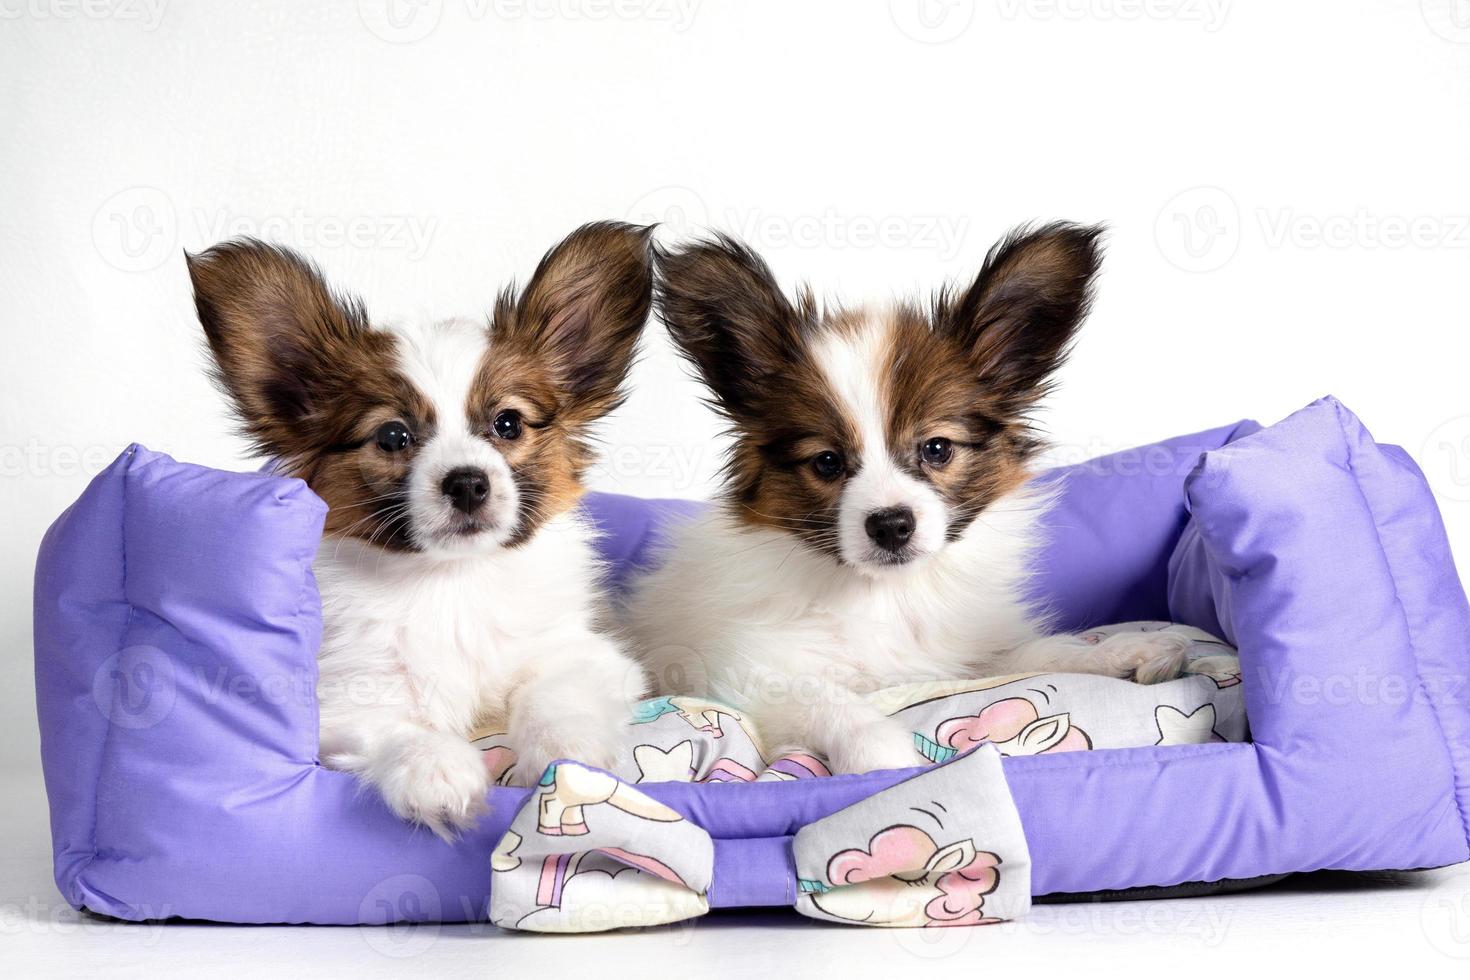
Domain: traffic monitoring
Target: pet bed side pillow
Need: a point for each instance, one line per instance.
(1322, 556)
(170, 599)
(1113, 522)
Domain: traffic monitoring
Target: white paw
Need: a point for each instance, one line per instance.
(1223, 668)
(574, 739)
(433, 779)
(1220, 665)
(885, 745)
(1149, 658)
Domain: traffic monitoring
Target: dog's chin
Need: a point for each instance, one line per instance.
(875, 563)
(469, 536)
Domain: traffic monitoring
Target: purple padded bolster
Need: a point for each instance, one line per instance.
(177, 619)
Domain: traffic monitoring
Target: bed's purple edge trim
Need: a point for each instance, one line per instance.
(1207, 812)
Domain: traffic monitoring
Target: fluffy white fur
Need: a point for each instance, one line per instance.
(420, 647)
(754, 617)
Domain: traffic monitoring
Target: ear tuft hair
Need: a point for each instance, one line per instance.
(281, 340)
(1019, 318)
(729, 318)
(583, 311)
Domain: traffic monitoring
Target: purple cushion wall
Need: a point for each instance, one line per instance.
(177, 620)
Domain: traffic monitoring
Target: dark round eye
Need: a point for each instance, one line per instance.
(393, 437)
(937, 451)
(827, 465)
(508, 424)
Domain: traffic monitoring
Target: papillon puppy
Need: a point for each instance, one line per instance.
(458, 582)
(878, 515)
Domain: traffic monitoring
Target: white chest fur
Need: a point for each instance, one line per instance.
(743, 601)
(451, 635)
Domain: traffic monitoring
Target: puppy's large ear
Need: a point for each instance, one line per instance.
(284, 345)
(582, 312)
(728, 316)
(1019, 318)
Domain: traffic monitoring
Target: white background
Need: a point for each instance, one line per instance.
(1285, 185)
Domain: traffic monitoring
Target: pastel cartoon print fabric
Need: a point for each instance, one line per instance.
(692, 739)
(944, 848)
(588, 852)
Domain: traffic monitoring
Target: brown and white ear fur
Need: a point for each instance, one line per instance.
(730, 319)
(581, 314)
(294, 357)
(1018, 319)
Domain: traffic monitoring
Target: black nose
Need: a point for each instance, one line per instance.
(467, 487)
(890, 528)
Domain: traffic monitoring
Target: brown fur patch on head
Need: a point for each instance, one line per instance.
(750, 346)
(310, 381)
(773, 473)
(931, 395)
(968, 373)
(559, 354)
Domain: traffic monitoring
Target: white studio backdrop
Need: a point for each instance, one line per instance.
(1285, 186)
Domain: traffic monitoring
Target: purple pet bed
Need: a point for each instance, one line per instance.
(177, 622)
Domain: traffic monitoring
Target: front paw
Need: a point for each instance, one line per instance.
(433, 779)
(881, 745)
(575, 740)
(1149, 658)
